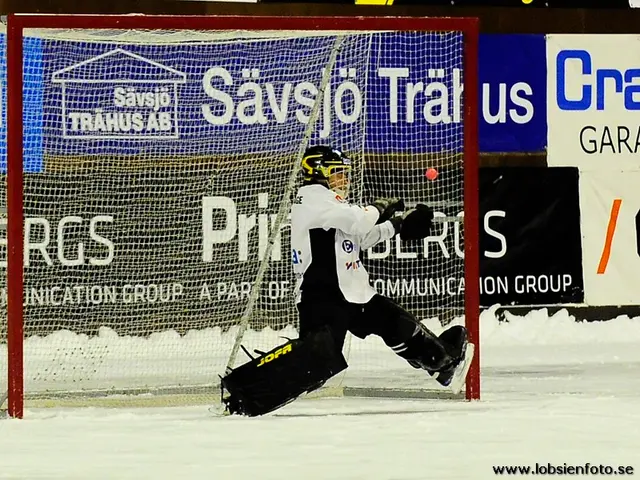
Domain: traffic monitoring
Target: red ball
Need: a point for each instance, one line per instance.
(431, 173)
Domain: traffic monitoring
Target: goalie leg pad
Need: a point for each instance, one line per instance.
(281, 375)
(403, 333)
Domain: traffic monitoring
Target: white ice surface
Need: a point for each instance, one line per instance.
(554, 391)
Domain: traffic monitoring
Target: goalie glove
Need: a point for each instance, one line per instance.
(415, 224)
(387, 208)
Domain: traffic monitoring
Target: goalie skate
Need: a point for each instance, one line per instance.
(454, 378)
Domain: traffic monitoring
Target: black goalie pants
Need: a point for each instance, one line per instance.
(381, 316)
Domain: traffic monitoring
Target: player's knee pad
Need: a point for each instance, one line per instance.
(279, 376)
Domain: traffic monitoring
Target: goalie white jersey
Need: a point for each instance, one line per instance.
(327, 238)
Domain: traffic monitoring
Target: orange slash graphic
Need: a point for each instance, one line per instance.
(611, 229)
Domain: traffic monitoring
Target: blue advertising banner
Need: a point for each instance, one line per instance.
(513, 97)
(32, 104)
(396, 92)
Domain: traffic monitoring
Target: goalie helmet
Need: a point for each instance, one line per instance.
(320, 162)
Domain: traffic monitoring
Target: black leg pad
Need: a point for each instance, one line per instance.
(281, 375)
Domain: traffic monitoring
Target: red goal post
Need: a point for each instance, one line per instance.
(16, 25)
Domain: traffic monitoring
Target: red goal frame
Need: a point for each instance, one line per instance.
(16, 24)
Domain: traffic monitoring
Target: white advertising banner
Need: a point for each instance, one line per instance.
(610, 221)
(593, 85)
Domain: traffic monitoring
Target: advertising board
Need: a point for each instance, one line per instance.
(179, 247)
(531, 244)
(394, 92)
(593, 101)
(128, 99)
(610, 223)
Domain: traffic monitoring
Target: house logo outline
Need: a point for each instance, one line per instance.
(162, 75)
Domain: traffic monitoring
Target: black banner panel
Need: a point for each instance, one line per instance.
(142, 250)
(530, 243)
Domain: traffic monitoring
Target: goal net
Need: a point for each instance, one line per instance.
(159, 163)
